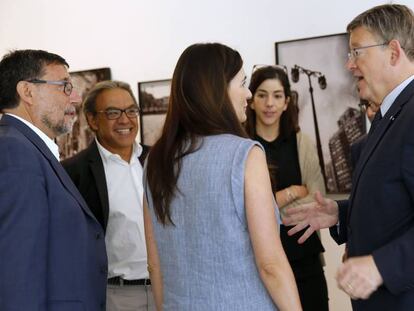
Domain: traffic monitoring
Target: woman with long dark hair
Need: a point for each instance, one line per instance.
(295, 173)
(211, 220)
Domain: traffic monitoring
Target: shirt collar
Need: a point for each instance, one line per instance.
(106, 155)
(390, 98)
(47, 140)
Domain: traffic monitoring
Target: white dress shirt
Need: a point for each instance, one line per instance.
(125, 238)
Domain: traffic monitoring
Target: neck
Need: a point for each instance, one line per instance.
(125, 153)
(20, 112)
(268, 133)
(24, 112)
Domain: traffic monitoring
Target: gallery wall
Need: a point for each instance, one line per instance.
(142, 40)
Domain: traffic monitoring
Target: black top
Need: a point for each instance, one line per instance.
(283, 161)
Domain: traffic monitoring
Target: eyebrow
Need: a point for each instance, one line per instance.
(265, 91)
(132, 106)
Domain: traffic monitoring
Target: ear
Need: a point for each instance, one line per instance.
(92, 122)
(287, 102)
(251, 105)
(396, 51)
(24, 90)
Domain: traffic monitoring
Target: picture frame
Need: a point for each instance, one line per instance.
(331, 113)
(153, 99)
(81, 135)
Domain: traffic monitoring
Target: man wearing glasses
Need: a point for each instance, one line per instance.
(377, 221)
(52, 249)
(109, 175)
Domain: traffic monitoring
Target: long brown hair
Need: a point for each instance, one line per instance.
(199, 106)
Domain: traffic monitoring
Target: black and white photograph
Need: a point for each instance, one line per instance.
(153, 101)
(81, 136)
(328, 102)
(154, 96)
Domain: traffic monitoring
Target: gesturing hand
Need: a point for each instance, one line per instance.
(322, 213)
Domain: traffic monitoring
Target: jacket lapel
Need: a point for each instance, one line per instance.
(375, 137)
(56, 166)
(98, 172)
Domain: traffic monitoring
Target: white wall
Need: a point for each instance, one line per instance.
(142, 40)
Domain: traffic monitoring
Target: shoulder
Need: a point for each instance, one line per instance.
(144, 153)
(17, 151)
(303, 138)
(82, 158)
(230, 141)
(304, 142)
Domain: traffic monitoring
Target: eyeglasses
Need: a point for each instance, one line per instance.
(67, 86)
(259, 66)
(355, 52)
(115, 113)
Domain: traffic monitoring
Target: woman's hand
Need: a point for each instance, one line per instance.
(298, 191)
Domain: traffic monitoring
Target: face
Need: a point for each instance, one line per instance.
(269, 102)
(117, 135)
(54, 112)
(239, 94)
(370, 66)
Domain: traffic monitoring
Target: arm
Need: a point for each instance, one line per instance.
(270, 257)
(153, 259)
(312, 179)
(290, 194)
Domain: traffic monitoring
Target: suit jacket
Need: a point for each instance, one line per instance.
(52, 248)
(87, 172)
(378, 218)
(356, 150)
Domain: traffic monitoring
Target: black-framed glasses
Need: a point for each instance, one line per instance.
(67, 86)
(115, 113)
(259, 66)
(355, 52)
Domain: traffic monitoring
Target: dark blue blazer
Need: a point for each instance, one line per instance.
(378, 218)
(52, 250)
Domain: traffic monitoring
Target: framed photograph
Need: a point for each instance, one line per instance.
(153, 101)
(327, 101)
(81, 136)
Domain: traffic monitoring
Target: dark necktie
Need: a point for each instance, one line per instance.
(375, 122)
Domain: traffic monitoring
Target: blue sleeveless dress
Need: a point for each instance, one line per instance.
(207, 259)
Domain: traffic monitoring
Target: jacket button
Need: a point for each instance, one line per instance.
(98, 236)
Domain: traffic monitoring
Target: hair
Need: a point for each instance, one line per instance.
(199, 106)
(289, 118)
(89, 103)
(388, 22)
(22, 65)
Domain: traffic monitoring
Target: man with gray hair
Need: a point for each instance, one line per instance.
(377, 221)
(109, 175)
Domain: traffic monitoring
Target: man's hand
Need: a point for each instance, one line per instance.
(359, 277)
(322, 213)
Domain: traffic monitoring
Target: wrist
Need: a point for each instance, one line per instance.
(290, 195)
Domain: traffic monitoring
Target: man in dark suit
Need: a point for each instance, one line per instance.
(52, 250)
(109, 175)
(377, 221)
